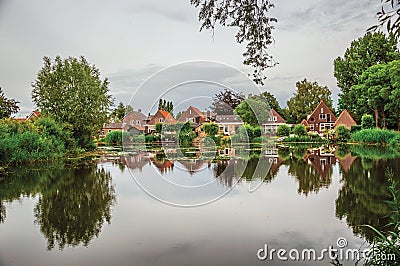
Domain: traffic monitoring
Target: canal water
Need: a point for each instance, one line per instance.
(151, 209)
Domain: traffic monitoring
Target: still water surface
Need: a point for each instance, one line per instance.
(106, 212)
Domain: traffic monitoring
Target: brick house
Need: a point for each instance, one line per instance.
(192, 115)
(135, 121)
(160, 116)
(322, 118)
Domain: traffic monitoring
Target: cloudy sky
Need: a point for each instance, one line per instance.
(130, 40)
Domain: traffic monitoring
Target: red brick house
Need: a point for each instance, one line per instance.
(193, 115)
(322, 118)
(346, 120)
(160, 117)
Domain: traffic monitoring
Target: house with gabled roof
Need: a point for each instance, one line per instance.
(135, 121)
(228, 124)
(345, 119)
(192, 115)
(273, 121)
(160, 116)
(321, 118)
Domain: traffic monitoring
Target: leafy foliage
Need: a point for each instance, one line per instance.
(71, 91)
(7, 106)
(369, 50)
(253, 112)
(116, 137)
(367, 121)
(385, 17)
(299, 130)
(121, 110)
(377, 136)
(43, 139)
(254, 27)
(225, 102)
(306, 99)
(166, 106)
(283, 131)
(342, 133)
(211, 128)
(379, 90)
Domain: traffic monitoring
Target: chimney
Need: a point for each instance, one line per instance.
(208, 114)
(139, 110)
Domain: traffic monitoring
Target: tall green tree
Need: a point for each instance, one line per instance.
(306, 99)
(7, 106)
(378, 91)
(369, 50)
(252, 111)
(270, 100)
(71, 91)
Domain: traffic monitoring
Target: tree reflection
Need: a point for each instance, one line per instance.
(74, 211)
(361, 199)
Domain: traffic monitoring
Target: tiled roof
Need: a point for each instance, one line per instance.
(345, 119)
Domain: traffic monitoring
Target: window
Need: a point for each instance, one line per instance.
(132, 122)
(322, 116)
(109, 130)
(312, 119)
(312, 126)
(160, 120)
(322, 127)
(138, 122)
(226, 129)
(274, 118)
(322, 110)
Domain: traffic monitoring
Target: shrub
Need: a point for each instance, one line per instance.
(355, 128)
(116, 137)
(374, 135)
(211, 128)
(283, 131)
(299, 130)
(342, 133)
(367, 121)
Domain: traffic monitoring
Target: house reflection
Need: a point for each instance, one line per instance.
(193, 166)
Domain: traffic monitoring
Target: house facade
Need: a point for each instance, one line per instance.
(192, 115)
(322, 118)
(273, 121)
(228, 124)
(32, 115)
(160, 116)
(135, 121)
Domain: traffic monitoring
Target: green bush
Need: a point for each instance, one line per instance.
(29, 141)
(299, 130)
(342, 133)
(367, 121)
(374, 136)
(355, 128)
(283, 131)
(211, 128)
(116, 137)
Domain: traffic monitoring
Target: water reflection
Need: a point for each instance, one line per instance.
(74, 201)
